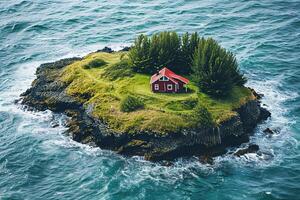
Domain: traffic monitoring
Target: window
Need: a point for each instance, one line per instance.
(163, 78)
(169, 86)
(156, 87)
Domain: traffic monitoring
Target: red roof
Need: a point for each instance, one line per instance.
(171, 75)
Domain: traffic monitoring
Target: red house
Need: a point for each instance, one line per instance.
(168, 82)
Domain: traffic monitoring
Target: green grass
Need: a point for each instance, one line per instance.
(131, 103)
(95, 63)
(162, 113)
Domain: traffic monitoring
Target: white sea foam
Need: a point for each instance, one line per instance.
(39, 123)
(273, 100)
(270, 147)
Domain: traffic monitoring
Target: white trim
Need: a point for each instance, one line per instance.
(156, 86)
(176, 87)
(163, 78)
(169, 87)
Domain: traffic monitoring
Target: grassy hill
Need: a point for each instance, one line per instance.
(103, 86)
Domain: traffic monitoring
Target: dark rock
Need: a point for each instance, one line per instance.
(58, 64)
(17, 101)
(126, 49)
(106, 50)
(46, 91)
(249, 114)
(166, 163)
(54, 124)
(268, 131)
(264, 114)
(252, 148)
(257, 95)
(204, 159)
(135, 147)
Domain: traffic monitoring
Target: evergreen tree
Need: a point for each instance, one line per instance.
(139, 55)
(162, 49)
(188, 47)
(154, 53)
(215, 70)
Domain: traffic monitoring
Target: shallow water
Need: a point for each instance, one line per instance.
(38, 162)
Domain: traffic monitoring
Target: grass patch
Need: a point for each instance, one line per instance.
(202, 117)
(181, 105)
(118, 70)
(131, 103)
(95, 63)
(107, 86)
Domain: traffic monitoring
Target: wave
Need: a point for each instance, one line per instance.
(37, 155)
(135, 170)
(273, 100)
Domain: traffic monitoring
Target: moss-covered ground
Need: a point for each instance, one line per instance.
(162, 113)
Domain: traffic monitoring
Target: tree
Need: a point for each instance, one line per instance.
(215, 70)
(162, 49)
(188, 47)
(169, 50)
(139, 55)
(212, 67)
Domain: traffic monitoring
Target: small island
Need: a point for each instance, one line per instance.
(112, 102)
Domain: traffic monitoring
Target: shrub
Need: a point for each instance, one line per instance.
(189, 103)
(118, 70)
(131, 103)
(95, 63)
(202, 117)
(215, 70)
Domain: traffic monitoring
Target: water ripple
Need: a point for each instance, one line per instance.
(35, 157)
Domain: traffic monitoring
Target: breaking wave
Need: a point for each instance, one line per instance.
(36, 154)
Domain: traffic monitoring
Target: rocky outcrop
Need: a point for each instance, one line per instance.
(252, 148)
(47, 92)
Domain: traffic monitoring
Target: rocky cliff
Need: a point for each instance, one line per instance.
(47, 92)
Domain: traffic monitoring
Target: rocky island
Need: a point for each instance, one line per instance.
(108, 98)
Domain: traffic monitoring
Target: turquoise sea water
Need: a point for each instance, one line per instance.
(39, 162)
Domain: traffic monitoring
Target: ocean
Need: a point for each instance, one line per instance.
(40, 162)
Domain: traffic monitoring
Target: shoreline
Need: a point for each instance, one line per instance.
(47, 93)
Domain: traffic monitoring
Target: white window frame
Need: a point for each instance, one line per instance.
(169, 87)
(156, 86)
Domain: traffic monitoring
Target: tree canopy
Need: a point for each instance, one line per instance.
(149, 54)
(213, 68)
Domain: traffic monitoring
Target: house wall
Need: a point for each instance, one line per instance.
(163, 86)
(181, 87)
